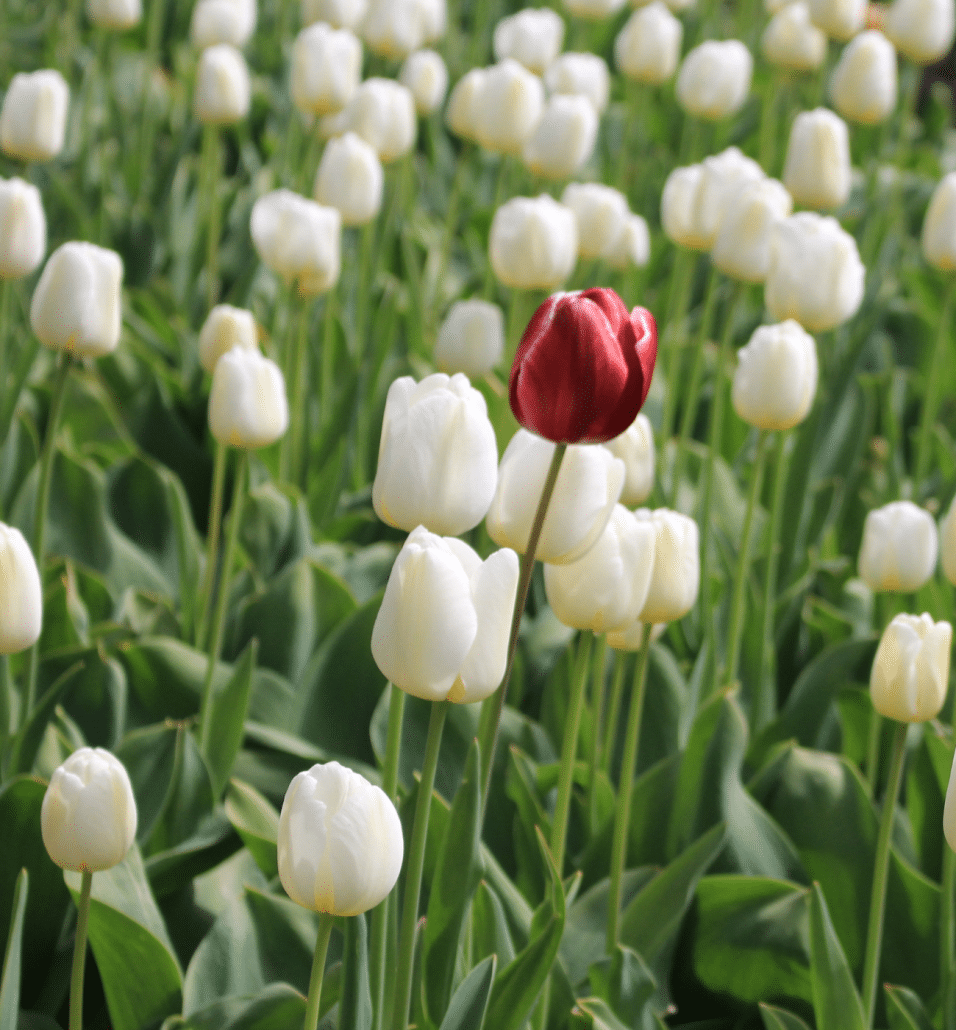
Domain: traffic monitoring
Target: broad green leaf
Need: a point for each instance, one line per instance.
(596, 1014)
(13, 956)
(230, 704)
(189, 799)
(836, 1001)
(256, 822)
(905, 1009)
(780, 1019)
(625, 983)
(469, 1004)
(355, 1003)
(490, 935)
(24, 746)
(275, 1007)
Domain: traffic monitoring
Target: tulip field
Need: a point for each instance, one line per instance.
(477, 518)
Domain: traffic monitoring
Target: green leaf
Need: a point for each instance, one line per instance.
(228, 715)
(780, 1019)
(24, 746)
(469, 1004)
(624, 982)
(489, 926)
(13, 956)
(905, 1009)
(256, 822)
(596, 1014)
(355, 1003)
(836, 1001)
(276, 1007)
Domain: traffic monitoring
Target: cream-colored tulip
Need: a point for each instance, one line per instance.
(247, 404)
(601, 213)
(899, 548)
(563, 141)
(594, 10)
(226, 327)
(939, 226)
(21, 593)
(910, 672)
(508, 108)
(863, 85)
(461, 112)
(382, 112)
(635, 447)
(533, 243)
(340, 14)
(351, 179)
(223, 92)
(222, 21)
(584, 75)
(947, 543)
(743, 243)
(471, 339)
(839, 19)
(647, 49)
(326, 69)
(791, 40)
(114, 14)
(817, 167)
(776, 377)
(298, 239)
(922, 30)
(675, 579)
(632, 245)
(714, 79)
(33, 118)
(532, 37)
(22, 228)
(425, 75)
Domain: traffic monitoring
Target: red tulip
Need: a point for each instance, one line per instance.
(583, 367)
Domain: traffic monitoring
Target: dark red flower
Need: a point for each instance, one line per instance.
(583, 367)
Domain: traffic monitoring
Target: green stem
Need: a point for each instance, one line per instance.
(451, 221)
(873, 750)
(327, 367)
(947, 950)
(491, 709)
(874, 935)
(613, 711)
(768, 122)
(212, 542)
(79, 952)
(154, 28)
(413, 872)
(934, 388)
(516, 323)
(326, 922)
(622, 810)
(6, 705)
(210, 162)
(597, 705)
(364, 287)
(678, 296)
(6, 287)
(290, 449)
(501, 191)
(219, 617)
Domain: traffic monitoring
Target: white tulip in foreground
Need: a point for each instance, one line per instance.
(425, 74)
(21, 594)
(922, 30)
(899, 548)
(939, 226)
(532, 37)
(222, 21)
(22, 228)
(647, 49)
(776, 377)
(442, 630)
(438, 458)
(223, 92)
(226, 327)
(326, 69)
(340, 844)
(714, 79)
(33, 118)
(533, 243)
(910, 672)
(506, 107)
(298, 239)
(817, 167)
(742, 247)
(676, 576)
(791, 40)
(247, 403)
(88, 817)
(471, 339)
(580, 75)
(635, 447)
(564, 139)
(77, 303)
(350, 178)
(863, 85)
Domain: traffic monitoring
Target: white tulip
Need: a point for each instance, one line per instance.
(226, 327)
(922, 30)
(340, 844)
(580, 75)
(631, 637)
(471, 339)
(635, 447)
(88, 816)
(839, 19)
(910, 672)
(298, 239)
(776, 377)
(817, 168)
(533, 243)
(791, 40)
(397, 28)
(648, 47)
(340, 14)
(438, 457)
(532, 37)
(939, 226)
(247, 404)
(425, 74)
(947, 543)
(382, 112)
(564, 139)
(461, 113)
(632, 246)
(22, 228)
(863, 85)
(222, 21)
(742, 247)
(508, 107)
(33, 118)
(588, 486)
(714, 79)
(114, 14)
(675, 579)
(351, 179)
(223, 92)
(899, 548)
(442, 630)
(77, 303)
(326, 69)
(21, 593)
(601, 213)
(593, 9)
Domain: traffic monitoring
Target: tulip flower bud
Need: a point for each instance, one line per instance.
(438, 458)
(594, 10)
(77, 303)
(247, 404)
(223, 92)
(564, 139)
(21, 594)
(792, 41)
(675, 579)
(839, 19)
(33, 118)
(471, 339)
(340, 14)
(114, 14)
(817, 168)
(587, 488)
(776, 377)
(397, 28)
(899, 547)
(508, 108)
(533, 243)
(647, 49)
(382, 112)
(911, 668)
(340, 844)
(326, 69)
(88, 816)
(351, 179)
(425, 75)
(222, 21)
(580, 75)
(863, 85)
(22, 228)
(742, 247)
(632, 246)
(601, 213)
(226, 327)
(815, 275)
(947, 543)
(939, 226)
(532, 37)
(461, 114)
(635, 447)
(714, 79)
(298, 239)
(583, 367)
(442, 630)
(606, 589)
(922, 30)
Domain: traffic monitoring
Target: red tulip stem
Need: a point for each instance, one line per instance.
(491, 710)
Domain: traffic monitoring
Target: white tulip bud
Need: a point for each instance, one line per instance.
(21, 594)
(461, 113)
(648, 47)
(947, 543)
(899, 548)
(791, 40)
(714, 79)
(939, 226)
(588, 486)
(594, 10)
(635, 447)
(77, 303)
(434, 14)
(776, 377)
(247, 403)
(533, 243)
(438, 457)
(508, 107)
(863, 85)
(326, 69)
(88, 816)
(425, 75)
(600, 212)
(471, 339)
(33, 119)
(564, 139)
(340, 844)
(911, 669)
(298, 239)
(340, 14)
(350, 178)
(222, 21)
(532, 37)
(583, 75)
(226, 327)
(839, 19)
(815, 275)
(223, 92)
(632, 246)
(817, 168)
(606, 589)
(442, 631)
(397, 28)
(676, 576)
(742, 247)
(22, 228)
(114, 14)
(922, 30)
(382, 112)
